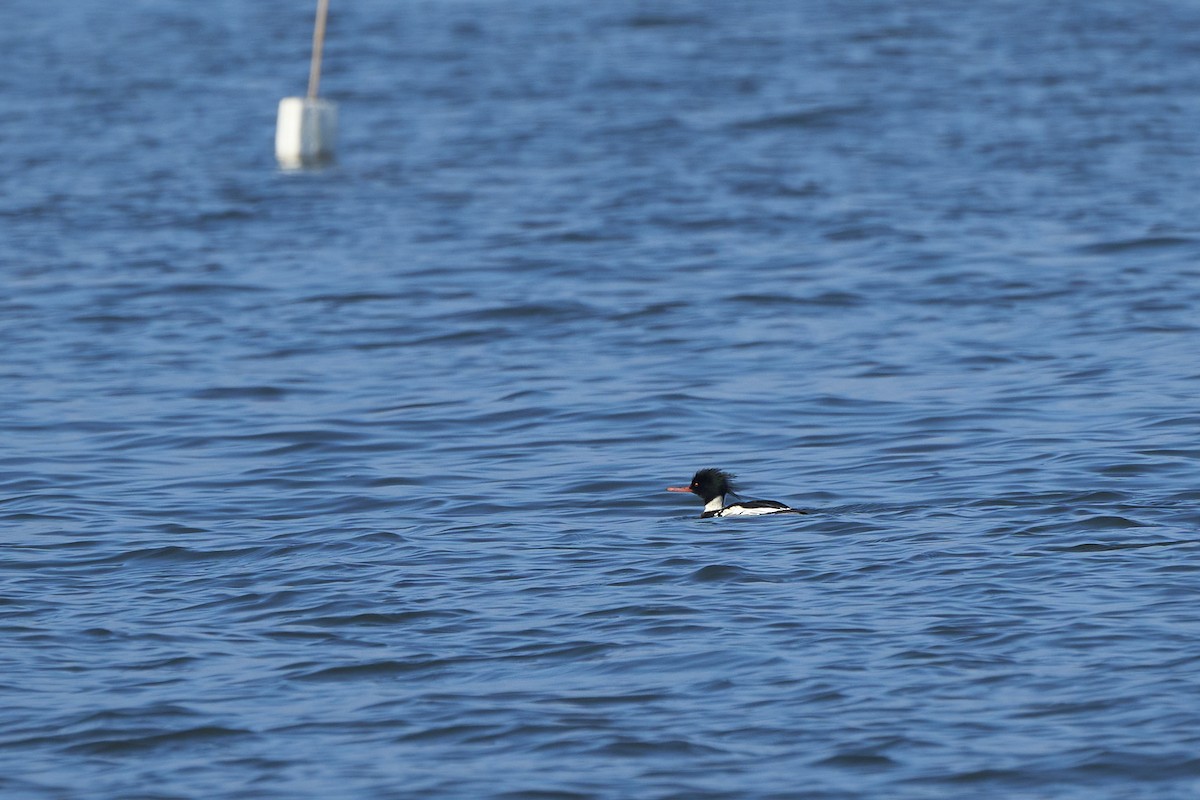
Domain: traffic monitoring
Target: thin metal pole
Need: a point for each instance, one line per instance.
(314, 72)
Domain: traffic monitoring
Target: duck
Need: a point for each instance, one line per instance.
(711, 485)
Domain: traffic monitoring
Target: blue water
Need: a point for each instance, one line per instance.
(349, 482)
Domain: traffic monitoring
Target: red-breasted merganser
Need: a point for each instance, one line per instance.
(711, 485)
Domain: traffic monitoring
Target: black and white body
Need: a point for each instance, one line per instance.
(711, 486)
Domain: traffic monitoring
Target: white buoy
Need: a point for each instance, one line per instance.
(306, 128)
(305, 132)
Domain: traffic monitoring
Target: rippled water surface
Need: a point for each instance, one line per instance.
(348, 483)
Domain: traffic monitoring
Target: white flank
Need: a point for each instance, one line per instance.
(736, 510)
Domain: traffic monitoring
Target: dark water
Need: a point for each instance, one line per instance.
(349, 483)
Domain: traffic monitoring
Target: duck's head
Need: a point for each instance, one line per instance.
(708, 484)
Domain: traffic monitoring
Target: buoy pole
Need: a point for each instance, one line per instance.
(314, 70)
(306, 127)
